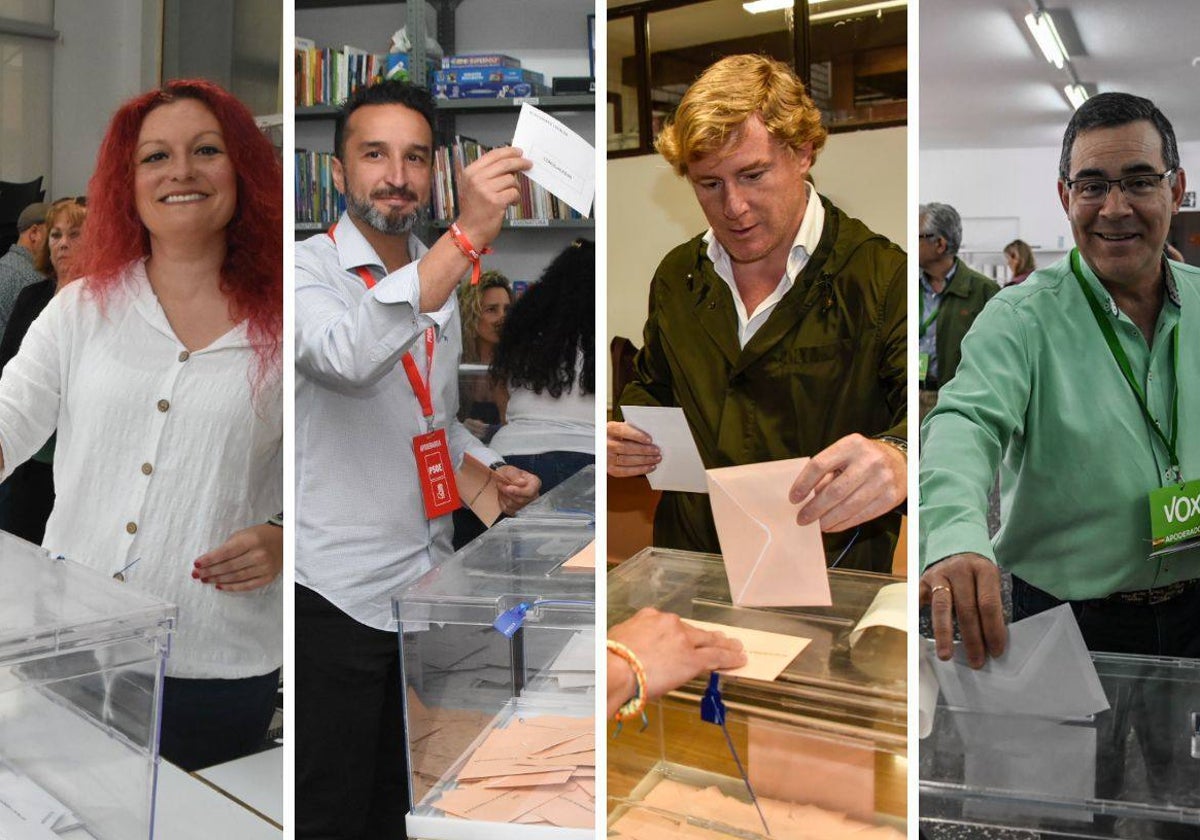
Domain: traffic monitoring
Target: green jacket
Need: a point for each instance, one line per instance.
(962, 301)
(829, 361)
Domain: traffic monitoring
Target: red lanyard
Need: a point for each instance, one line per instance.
(421, 388)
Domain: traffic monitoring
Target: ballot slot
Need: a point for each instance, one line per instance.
(694, 586)
(81, 665)
(1128, 771)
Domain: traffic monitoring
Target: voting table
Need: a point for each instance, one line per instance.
(824, 743)
(1130, 771)
(498, 641)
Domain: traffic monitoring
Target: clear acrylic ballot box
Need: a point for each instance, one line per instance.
(81, 667)
(1131, 771)
(574, 498)
(823, 745)
(460, 671)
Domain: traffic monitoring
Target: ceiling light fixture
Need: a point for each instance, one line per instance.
(1041, 25)
(759, 6)
(1077, 94)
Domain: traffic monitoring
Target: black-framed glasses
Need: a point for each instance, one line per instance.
(1095, 190)
(928, 236)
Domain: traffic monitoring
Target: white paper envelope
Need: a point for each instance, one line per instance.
(1045, 671)
(681, 467)
(770, 560)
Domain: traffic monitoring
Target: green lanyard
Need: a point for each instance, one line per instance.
(1118, 352)
(925, 322)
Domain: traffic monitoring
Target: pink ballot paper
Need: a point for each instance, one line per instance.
(770, 560)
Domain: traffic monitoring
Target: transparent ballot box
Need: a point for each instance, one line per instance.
(478, 798)
(81, 667)
(836, 717)
(459, 670)
(574, 498)
(1130, 771)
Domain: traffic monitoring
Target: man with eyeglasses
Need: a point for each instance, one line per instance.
(1082, 385)
(952, 296)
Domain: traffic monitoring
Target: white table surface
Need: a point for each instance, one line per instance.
(189, 809)
(256, 780)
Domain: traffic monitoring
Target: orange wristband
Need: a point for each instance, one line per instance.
(469, 251)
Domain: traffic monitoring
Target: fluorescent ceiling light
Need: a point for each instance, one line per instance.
(1044, 32)
(1076, 95)
(758, 6)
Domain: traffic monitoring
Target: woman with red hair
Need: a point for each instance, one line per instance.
(161, 371)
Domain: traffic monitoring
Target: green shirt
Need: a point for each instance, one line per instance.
(1039, 394)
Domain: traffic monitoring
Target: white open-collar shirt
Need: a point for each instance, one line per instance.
(162, 454)
(808, 237)
(361, 530)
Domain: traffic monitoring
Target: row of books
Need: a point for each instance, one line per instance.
(316, 198)
(318, 201)
(536, 201)
(328, 76)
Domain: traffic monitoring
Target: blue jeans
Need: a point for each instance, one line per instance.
(553, 468)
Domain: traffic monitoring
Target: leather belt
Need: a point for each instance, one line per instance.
(1159, 595)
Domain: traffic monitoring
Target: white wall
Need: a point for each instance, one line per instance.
(105, 56)
(993, 189)
(651, 210)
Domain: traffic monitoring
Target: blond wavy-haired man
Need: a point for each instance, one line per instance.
(780, 330)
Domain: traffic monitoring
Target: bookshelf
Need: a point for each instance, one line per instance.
(556, 46)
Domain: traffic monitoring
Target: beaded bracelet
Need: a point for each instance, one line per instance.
(636, 705)
(469, 251)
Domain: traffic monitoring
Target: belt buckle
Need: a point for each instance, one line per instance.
(1164, 593)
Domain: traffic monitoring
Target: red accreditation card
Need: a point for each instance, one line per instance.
(436, 471)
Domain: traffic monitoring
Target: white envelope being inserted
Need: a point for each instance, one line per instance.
(769, 559)
(1045, 671)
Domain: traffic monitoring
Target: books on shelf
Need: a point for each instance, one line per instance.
(328, 76)
(536, 202)
(316, 198)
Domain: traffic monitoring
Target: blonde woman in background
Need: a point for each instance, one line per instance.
(1019, 257)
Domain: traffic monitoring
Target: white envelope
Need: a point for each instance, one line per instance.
(1045, 672)
(769, 559)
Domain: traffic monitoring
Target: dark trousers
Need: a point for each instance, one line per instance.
(26, 499)
(351, 774)
(551, 468)
(207, 722)
(1156, 713)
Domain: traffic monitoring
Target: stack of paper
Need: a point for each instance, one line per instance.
(438, 737)
(538, 770)
(787, 821)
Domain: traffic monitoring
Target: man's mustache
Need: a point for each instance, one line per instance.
(401, 192)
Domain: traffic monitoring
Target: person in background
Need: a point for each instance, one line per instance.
(952, 296)
(545, 367)
(18, 266)
(1019, 257)
(483, 308)
(28, 494)
(161, 370)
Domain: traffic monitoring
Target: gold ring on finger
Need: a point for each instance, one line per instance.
(941, 587)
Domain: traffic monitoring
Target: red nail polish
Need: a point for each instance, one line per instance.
(195, 575)
(204, 580)
(219, 586)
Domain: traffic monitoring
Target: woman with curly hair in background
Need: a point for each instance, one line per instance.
(161, 370)
(546, 360)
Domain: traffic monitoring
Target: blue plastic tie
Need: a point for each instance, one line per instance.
(511, 620)
(712, 710)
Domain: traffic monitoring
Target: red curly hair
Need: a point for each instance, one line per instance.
(252, 275)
